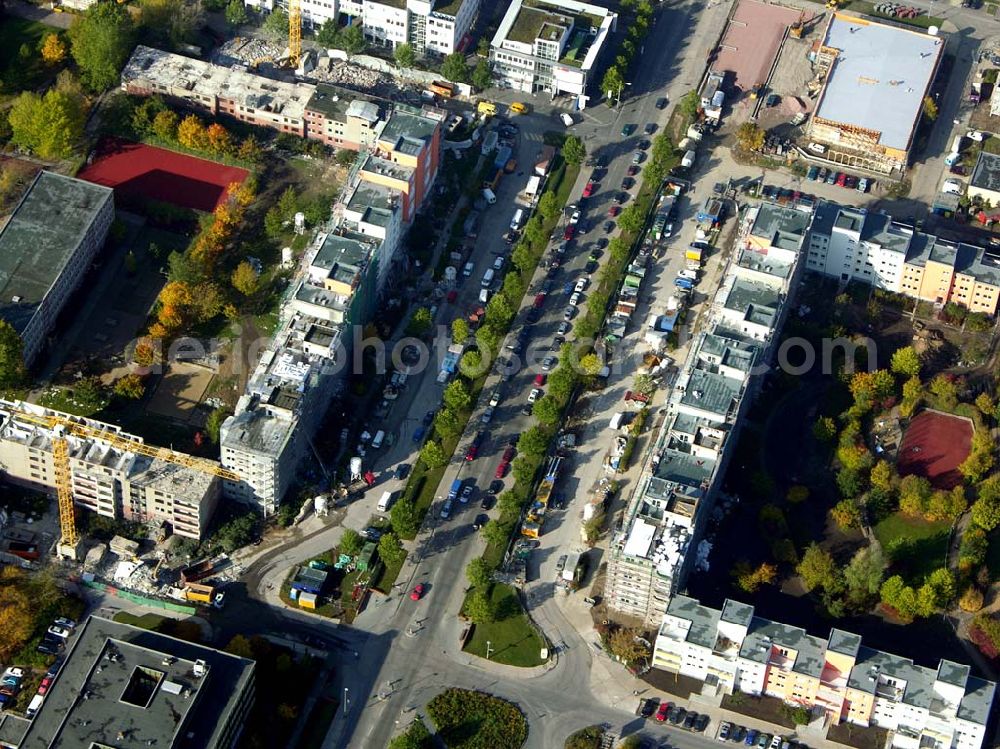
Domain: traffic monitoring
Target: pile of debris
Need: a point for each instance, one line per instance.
(248, 51)
(364, 80)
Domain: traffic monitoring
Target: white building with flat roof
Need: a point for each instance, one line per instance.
(551, 46)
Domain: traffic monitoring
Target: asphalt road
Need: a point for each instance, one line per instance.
(411, 649)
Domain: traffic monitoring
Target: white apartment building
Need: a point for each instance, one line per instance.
(852, 244)
(838, 678)
(435, 28)
(551, 46)
(46, 247)
(106, 479)
(659, 541)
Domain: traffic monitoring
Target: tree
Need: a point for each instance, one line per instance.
(547, 410)
(905, 362)
(447, 424)
(420, 322)
(245, 279)
(930, 108)
(819, 570)
(945, 388)
(846, 514)
(825, 429)
(985, 403)
(237, 532)
(218, 139)
(390, 548)
(214, 423)
(455, 68)
(882, 476)
(130, 387)
(328, 34)
(404, 517)
(750, 136)
(548, 206)
(275, 26)
(459, 330)
(191, 133)
(471, 364)
(165, 125)
(899, 597)
(627, 645)
(914, 494)
(573, 150)
(351, 543)
(12, 369)
(482, 76)
(456, 396)
(986, 509)
(946, 505)
(53, 49)
(972, 600)
(750, 579)
(51, 126)
(101, 41)
(352, 39)
(404, 56)
(855, 457)
(478, 573)
(533, 441)
(863, 574)
(479, 608)
(433, 455)
(631, 219)
(17, 619)
(250, 150)
(170, 21)
(612, 83)
(689, 104)
(236, 13)
(497, 532)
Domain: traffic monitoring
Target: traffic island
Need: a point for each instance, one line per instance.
(464, 718)
(501, 630)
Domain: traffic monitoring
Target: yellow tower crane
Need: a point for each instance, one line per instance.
(63, 427)
(294, 32)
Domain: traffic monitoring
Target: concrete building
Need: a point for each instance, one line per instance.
(342, 118)
(218, 90)
(985, 181)
(432, 27)
(125, 687)
(106, 479)
(838, 679)
(46, 248)
(551, 46)
(659, 541)
(853, 244)
(875, 78)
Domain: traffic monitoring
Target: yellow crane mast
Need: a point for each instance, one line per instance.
(63, 427)
(294, 32)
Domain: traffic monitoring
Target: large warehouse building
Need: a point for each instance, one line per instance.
(876, 79)
(45, 249)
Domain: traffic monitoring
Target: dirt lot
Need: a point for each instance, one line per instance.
(180, 390)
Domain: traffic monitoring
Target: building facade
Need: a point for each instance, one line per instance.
(106, 479)
(46, 248)
(853, 244)
(838, 679)
(551, 46)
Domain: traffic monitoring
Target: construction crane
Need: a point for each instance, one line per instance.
(63, 427)
(294, 32)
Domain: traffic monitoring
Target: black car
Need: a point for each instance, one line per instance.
(402, 470)
(650, 128)
(487, 503)
(628, 183)
(602, 243)
(648, 707)
(700, 723)
(428, 418)
(643, 145)
(661, 103)
(609, 227)
(481, 520)
(591, 266)
(676, 715)
(737, 734)
(372, 533)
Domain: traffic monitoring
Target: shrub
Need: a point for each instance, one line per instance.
(476, 720)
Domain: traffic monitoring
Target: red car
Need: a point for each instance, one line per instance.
(501, 470)
(418, 593)
(540, 379)
(452, 296)
(661, 714)
(508, 454)
(633, 170)
(569, 232)
(472, 452)
(614, 210)
(589, 189)
(841, 179)
(539, 301)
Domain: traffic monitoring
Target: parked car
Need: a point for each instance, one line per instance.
(832, 178)
(751, 738)
(549, 362)
(862, 185)
(466, 495)
(62, 621)
(661, 714)
(481, 520)
(487, 416)
(417, 593)
(676, 715)
(690, 720)
(500, 472)
(446, 509)
(589, 189)
(627, 130)
(724, 730)
(737, 734)
(419, 432)
(775, 743)
(534, 395)
(647, 707)
(700, 723)
(509, 452)
(612, 212)
(638, 157)
(762, 740)
(812, 173)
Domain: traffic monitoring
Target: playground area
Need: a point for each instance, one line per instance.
(933, 446)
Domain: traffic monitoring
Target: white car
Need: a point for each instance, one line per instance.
(59, 632)
(575, 218)
(575, 299)
(775, 743)
(534, 395)
(567, 119)
(17, 673)
(495, 399)
(952, 187)
(466, 494)
(580, 285)
(976, 136)
(817, 148)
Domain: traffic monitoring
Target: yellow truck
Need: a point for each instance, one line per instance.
(199, 593)
(486, 108)
(518, 108)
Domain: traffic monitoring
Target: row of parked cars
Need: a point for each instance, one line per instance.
(753, 738)
(841, 179)
(668, 712)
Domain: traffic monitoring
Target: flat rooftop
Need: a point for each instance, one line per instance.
(784, 228)
(879, 77)
(752, 41)
(528, 20)
(187, 77)
(986, 175)
(711, 392)
(46, 228)
(258, 430)
(408, 130)
(337, 103)
(122, 686)
(759, 302)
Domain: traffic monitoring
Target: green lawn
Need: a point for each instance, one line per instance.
(15, 73)
(387, 577)
(513, 639)
(915, 547)
(146, 621)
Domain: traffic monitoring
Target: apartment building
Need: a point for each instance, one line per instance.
(432, 27)
(838, 679)
(551, 45)
(853, 244)
(342, 118)
(120, 685)
(46, 248)
(106, 479)
(660, 539)
(344, 273)
(218, 90)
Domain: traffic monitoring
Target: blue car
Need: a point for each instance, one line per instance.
(751, 738)
(813, 173)
(419, 434)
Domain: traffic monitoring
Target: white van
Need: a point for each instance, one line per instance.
(385, 502)
(469, 267)
(34, 706)
(515, 223)
(489, 195)
(952, 187)
(567, 119)
(379, 439)
(688, 274)
(616, 421)
(487, 278)
(484, 296)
